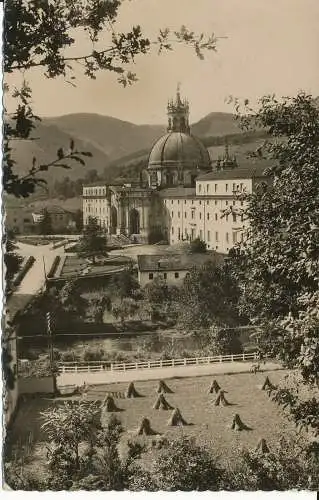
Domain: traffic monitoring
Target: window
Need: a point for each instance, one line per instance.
(200, 234)
(207, 188)
(200, 202)
(242, 218)
(192, 214)
(234, 187)
(150, 276)
(226, 203)
(207, 202)
(208, 235)
(179, 215)
(192, 202)
(216, 202)
(216, 217)
(179, 233)
(227, 218)
(184, 202)
(177, 202)
(172, 213)
(199, 188)
(172, 202)
(234, 218)
(176, 275)
(226, 187)
(165, 276)
(234, 237)
(216, 236)
(172, 229)
(234, 202)
(227, 237)
(185, 215)
(200, 215)
(216, 188)
(207, 215)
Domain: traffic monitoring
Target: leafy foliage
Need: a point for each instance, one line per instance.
(208, 297)
(197, 246)
(92, 244)
(277, 265)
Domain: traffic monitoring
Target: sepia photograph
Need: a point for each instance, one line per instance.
(160, 245)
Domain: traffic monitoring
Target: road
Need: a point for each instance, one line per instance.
(35, 278)
(108, 377)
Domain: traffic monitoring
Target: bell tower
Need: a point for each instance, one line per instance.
(178, 114)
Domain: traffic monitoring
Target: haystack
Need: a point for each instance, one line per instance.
(109, 405)
(176, 419)
(221, 400)
(163, 387)
(162, 404)
(267, 385)
(214, 388)
(238, 425)
(262, 446)
(131, 392)
(145, 428)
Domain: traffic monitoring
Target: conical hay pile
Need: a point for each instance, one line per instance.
(176, 419)
(214, 388)
(131, 392)
(267, 385)
(162, 404)
(109, 404)
(221, 400)
(238, 425)
(163, 387)
(145, 428)
(262, 446)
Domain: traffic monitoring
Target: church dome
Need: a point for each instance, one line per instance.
(178, 149)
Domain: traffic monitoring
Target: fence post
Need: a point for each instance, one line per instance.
(111, 367)
(148, 364)
(89, 368)
(220, 358)
(76, 368)
(173, 362)
(136, 366)
(124, 367)
(184, 361)
(243, 356)
(232, 357)
(196, 361)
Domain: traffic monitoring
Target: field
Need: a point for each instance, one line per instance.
(209, 424)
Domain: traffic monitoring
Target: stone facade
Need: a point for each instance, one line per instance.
(186, 198)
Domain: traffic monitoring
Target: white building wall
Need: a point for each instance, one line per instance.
(171, 277)
(203, 215)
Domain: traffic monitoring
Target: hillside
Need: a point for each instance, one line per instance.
(114, 144)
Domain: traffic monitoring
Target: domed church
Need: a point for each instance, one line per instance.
(178, 157)
(183, 198)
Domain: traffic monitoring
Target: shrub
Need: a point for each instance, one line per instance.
(91, 354)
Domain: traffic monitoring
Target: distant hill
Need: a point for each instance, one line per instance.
(114, 144)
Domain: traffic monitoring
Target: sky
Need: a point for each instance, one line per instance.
(270, 46)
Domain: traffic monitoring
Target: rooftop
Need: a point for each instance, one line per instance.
(51, 209)
(176, 262)
(244, 171)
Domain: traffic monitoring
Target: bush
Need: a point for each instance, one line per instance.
(68, 356)
(197, 246)
(91, 354)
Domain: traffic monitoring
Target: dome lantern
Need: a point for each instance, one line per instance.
(178, 114)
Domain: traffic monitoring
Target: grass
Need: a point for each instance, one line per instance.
(210, 424)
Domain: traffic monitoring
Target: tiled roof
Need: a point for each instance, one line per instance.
(176, 262)
(51, 209)
(244, 171)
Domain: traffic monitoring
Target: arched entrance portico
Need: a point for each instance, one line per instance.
(134, 221)
(113, 222)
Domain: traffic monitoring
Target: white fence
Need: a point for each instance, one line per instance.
(102, 366)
